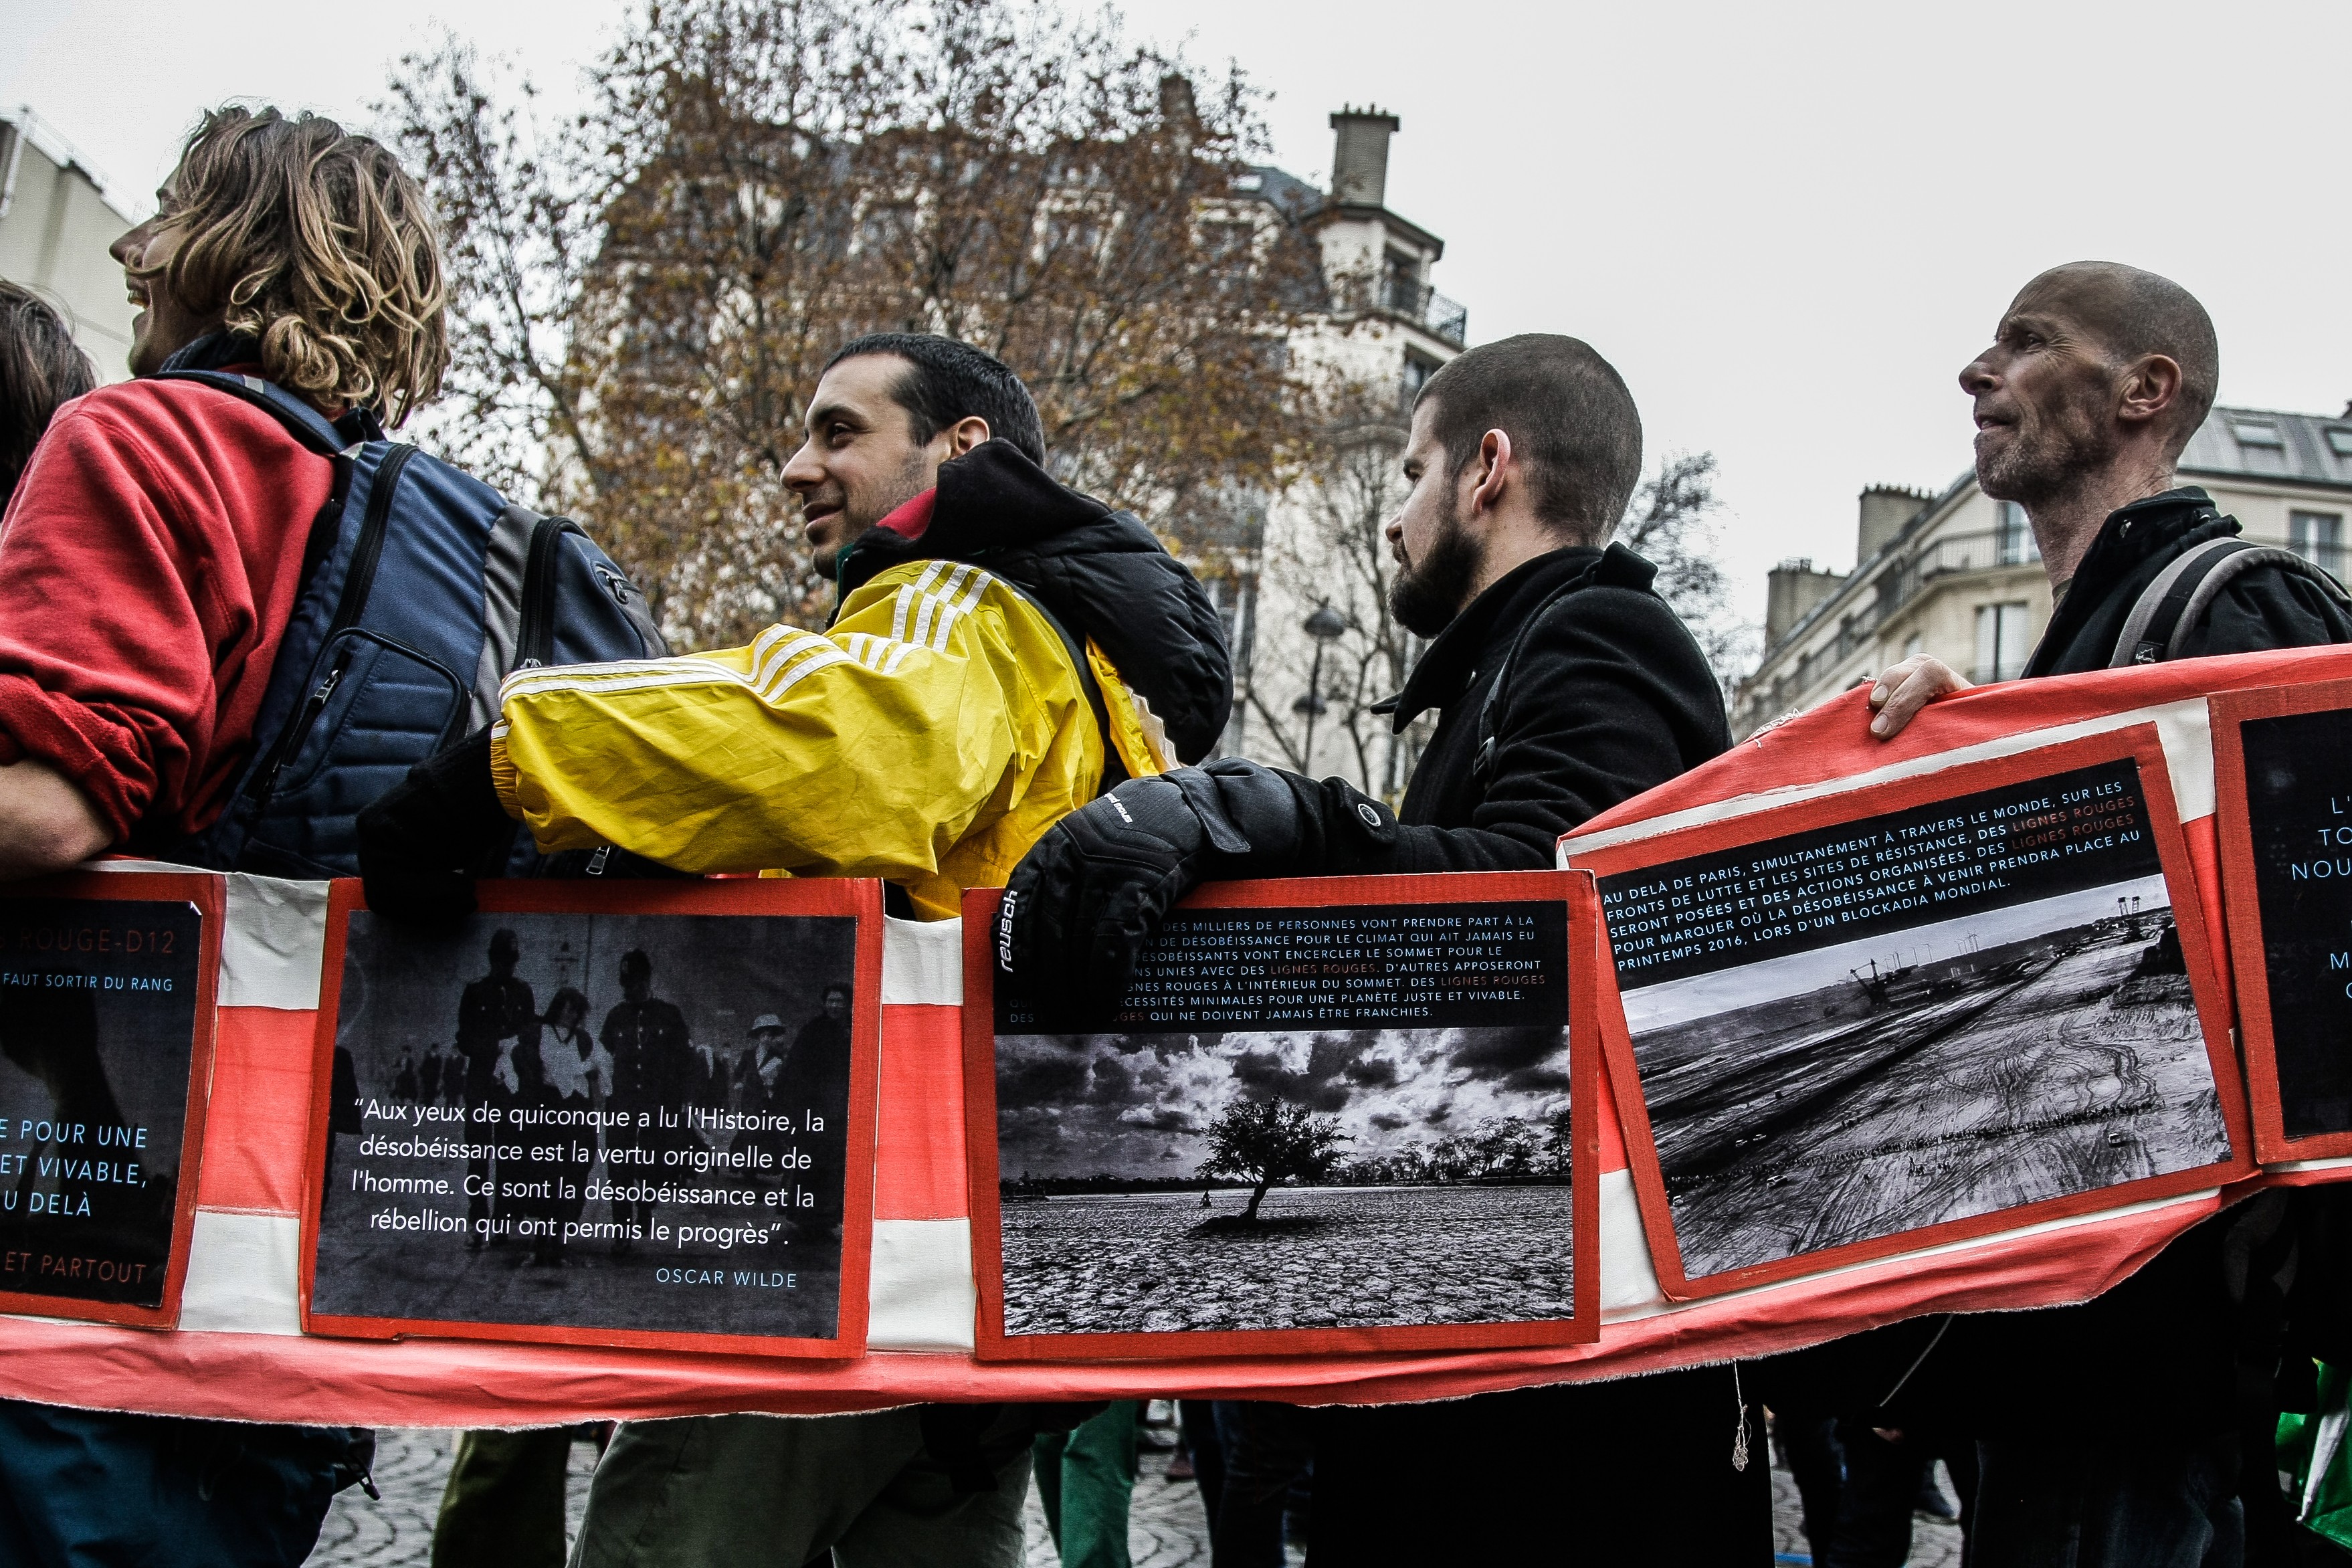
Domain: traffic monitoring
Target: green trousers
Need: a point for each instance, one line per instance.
(776, 1492)
(503, 1507)
(1085, 1478)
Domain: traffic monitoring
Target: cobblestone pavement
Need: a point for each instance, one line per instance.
(1166, 1528)
(411, 1468)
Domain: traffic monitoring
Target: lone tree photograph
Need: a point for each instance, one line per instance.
(1265, 1141)
(1277, 1179)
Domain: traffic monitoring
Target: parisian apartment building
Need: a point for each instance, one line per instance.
(1957, 575)
(1313, 648)
(56, 220)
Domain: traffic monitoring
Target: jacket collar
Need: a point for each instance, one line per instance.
(1487, 624)
(991, 497)
(239, 353)
(2132, 536)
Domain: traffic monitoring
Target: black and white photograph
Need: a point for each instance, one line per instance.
(590, 1121)
(98, 1022)
(1994, 1010)
(1343, 1174)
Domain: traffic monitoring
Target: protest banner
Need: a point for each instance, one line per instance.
(1914, 1011)
(628, 1144)
(1331, 1115)
(237, 1346)
(106, 1016)
(2282, 784)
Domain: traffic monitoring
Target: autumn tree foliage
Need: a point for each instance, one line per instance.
(1671, 523)
(1262, 1142)
(647, 290)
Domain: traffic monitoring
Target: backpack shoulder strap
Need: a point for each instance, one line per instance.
(2170, 607)
(304, 423)
(1617, 568)
(1113, 769)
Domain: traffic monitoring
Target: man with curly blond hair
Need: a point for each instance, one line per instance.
(150, 561)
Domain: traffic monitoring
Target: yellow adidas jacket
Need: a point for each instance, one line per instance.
(929, 738)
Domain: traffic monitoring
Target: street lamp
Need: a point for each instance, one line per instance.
(1323, 625)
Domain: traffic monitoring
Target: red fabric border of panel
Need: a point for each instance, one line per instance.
(451, 1383)
(918, 1151)
(1834, 741)
(260, 1124)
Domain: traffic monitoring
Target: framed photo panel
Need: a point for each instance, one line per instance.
(638, 1113)
(1339, 1114)
(107, 1026)
(2283, 810)
(1915, 1011)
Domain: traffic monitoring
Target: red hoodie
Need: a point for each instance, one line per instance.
(148, 562)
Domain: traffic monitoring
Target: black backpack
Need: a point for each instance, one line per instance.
(421, 590)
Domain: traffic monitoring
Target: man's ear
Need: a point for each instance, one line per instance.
(2149, 387)
(965, 434)
(1492, 470)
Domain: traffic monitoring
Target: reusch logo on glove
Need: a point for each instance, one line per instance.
(1004, 930)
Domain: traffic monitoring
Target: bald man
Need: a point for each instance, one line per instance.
(2097, 376)
(2119, 1432)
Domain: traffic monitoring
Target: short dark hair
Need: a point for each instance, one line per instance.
(838, 988)
(634, 962)
(41, 369)
(1570, 417)
(948, 379)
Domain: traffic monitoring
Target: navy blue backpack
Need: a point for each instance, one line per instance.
(421, 590)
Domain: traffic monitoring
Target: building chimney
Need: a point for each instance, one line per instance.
(1791, 591)
(1885, 510)
(1176, 106)
(1359, 164)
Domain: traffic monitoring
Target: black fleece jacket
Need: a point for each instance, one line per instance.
(1101, 572)
(2260, 608)
(1609, 697)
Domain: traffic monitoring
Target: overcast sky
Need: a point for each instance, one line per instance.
(1142, 1105)
(1787, 226)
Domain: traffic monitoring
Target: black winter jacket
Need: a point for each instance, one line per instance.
(1610, 696)
(2260, 608)
(1100, 571)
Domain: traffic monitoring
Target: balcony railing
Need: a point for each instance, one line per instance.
(1400, 294)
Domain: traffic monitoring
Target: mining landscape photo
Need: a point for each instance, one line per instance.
(1931, 1073)
(1284, 1179)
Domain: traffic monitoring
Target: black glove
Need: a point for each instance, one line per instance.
(424, 841)
(1089, 896)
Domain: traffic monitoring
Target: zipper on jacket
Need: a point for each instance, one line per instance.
(365, 554)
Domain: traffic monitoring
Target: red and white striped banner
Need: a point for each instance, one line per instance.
(238, 1350)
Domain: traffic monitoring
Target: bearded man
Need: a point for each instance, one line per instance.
(1567, 686)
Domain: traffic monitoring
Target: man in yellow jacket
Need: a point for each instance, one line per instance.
(1004, 650)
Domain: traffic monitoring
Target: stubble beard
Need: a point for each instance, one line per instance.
(2060, 453)
(1426, 596)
